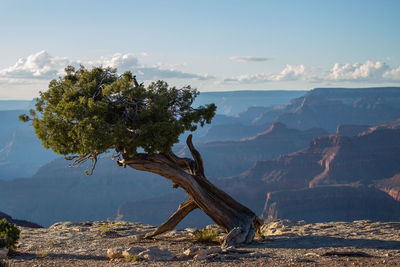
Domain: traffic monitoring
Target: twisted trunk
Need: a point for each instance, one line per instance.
(237, 220)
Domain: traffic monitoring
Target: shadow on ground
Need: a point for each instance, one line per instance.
(30, 256)
(323, 241)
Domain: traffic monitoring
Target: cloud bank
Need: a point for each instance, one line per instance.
(370, 71)
(289, 73)
(42, 66)
(37, 66)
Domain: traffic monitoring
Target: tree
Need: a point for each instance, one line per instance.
(90, 112)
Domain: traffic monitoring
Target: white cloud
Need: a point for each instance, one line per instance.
(37, 66)
(122, 62)
(42, 66)
(368, 71)
(249, 59)
(289, 73)
(393, 74)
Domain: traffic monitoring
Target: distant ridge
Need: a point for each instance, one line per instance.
(22, 223)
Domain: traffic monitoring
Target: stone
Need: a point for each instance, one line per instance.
(191, 252)
(138, 238)
(3, 253)
(312, 254)
(114, 253)
(132, 251)
(203, 253)
(156, 254)
(190, 230)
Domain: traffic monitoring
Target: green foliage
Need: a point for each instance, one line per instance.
(9, 235)
(105, 227)
(132, 258)
(89, 112)
(42, 253)
(205, 235)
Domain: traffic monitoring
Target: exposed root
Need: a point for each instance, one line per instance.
(240, 235)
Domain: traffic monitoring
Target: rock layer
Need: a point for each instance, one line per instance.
(329, 203)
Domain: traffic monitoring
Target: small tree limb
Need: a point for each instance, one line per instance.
(199, 166)
(184, 209)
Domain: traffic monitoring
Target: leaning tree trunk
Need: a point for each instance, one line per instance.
(237, 220)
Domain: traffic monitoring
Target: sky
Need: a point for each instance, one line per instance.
(212, 45)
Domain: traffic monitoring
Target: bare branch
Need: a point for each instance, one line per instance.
(79, 160)
(184, 209)
(199, 166)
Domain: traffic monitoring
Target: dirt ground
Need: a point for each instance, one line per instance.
(284, 243)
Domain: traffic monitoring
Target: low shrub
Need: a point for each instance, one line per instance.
(105, 227)
(132, 258)
(42, 253)
(205, 235)
(9, 235)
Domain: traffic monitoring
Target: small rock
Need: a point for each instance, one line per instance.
(312, 254)
(190, 252)
(202, 253)
(132, 251)
(137, 238)
(3, 253)
(156, 254)
(199, 257)
(114, 253)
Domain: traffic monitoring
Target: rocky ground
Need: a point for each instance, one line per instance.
(285, 243)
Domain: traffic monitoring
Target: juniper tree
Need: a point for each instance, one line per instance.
(90, 112)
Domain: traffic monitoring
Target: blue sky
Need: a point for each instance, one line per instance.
(212, 45)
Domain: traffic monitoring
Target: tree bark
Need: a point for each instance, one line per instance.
(237, 220)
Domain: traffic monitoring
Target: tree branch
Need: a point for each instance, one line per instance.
(199, 166)
(184, 209)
